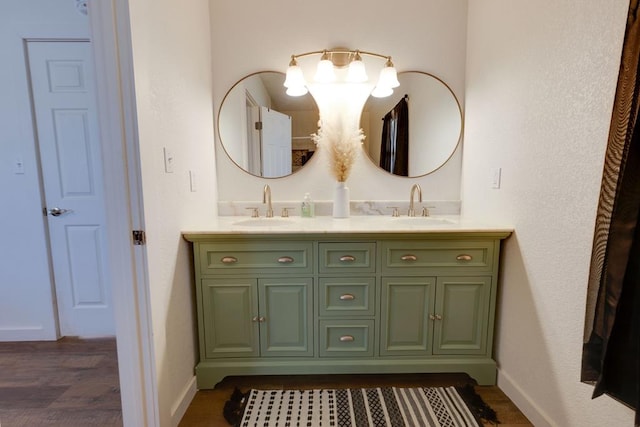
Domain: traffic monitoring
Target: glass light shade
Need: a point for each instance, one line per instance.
(294, 78)
(325, 73)
(381, 92)
(388, 76)
(357, 72)
(297, 90)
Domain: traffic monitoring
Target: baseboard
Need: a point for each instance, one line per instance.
(27, 333)
(182, 403)
(523, 401)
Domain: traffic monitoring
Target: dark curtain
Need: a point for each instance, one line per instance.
(394, 150)
(611, 353)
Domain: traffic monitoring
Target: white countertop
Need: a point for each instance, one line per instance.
(353, 224)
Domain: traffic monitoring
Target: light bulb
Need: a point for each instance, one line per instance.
(297, 90)
(325, 73)
(295, 77)
(381, 92)
(357, 72)
(388, 75)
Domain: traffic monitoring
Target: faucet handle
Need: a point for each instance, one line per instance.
(425, 210)
(395, 212)
(285, 212)
(254, 212)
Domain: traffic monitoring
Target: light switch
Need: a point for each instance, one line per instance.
(18, 166)
(168, 160)
(495, 177)
(192, 181)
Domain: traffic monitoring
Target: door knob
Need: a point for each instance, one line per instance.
(58, 211)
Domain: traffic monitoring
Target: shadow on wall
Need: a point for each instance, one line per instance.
(519, 336)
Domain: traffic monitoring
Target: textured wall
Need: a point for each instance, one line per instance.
(171, 55)
(540, 83)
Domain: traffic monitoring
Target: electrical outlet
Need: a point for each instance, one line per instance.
(496, 175)
(168, 160)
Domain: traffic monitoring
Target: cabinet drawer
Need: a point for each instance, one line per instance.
(447, 255)
(354, 257)
(256, 257)
(346, 338)
(347, 297)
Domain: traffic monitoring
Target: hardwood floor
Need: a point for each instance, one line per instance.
(74, 383)
(69, 382)
(206, 408)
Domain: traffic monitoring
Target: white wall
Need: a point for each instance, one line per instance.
(26, 291)
(540, 83)
(172, 63)
(420, 35)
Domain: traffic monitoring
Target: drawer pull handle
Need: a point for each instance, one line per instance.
(464, 257)
(285, 260)
(347, 297)
(409, 258)
(346, 338)
(229, 260)
(347, 258)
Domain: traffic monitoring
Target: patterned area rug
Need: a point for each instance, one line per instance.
(367, 407)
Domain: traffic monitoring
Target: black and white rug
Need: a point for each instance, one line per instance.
(367, 407)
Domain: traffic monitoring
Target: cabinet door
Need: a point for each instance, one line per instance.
(462, 313)
(286, 309)
(229, 307)
(406, 329)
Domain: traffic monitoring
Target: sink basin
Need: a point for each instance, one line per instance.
(263, 222)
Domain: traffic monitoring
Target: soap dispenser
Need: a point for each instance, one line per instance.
(307, 209)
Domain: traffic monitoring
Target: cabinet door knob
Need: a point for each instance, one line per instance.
(229, 260)
(438, 317)
(464, 257)
(432, 317)
(409, 257)
(255, 319)
(346, 338)
(262, 319)
(347, 258)
(347, 297)
(285, 260)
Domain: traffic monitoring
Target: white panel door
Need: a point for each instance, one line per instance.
(66, 121)
(276, 143)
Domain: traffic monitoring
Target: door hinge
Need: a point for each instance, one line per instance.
(258, 125)
(139, 237)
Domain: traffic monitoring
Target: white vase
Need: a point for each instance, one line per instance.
(341, 201)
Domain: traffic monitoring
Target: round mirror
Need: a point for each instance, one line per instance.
(416, 130)
(263, 130)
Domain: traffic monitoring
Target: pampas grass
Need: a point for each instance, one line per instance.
(342, 141)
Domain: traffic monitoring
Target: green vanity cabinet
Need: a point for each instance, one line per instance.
(337, 302)
(257, 317)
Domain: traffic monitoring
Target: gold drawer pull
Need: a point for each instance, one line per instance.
(409, 258)
(285, 260)
(347, 258)
(229, 260)
(347, 297)
(347, 338)
(464, 257)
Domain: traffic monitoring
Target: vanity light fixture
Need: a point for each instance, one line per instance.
(340, 58)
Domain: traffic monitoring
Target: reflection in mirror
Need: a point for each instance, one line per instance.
(264, 131)
(415, 131)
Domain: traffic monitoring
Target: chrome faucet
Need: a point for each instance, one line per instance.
(266, 198)
(415, 187)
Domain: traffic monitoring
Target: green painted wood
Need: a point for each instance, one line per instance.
(346, 337)
(405, 327)
(346, 297)
(462, 304)
(401, 257)
(349, 257)
(256, 258)
(229, 306)
(286, 305)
